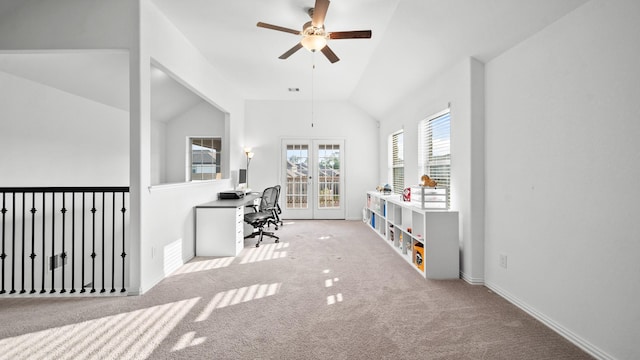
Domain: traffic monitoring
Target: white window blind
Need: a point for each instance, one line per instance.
(397, 161)
(434, 142)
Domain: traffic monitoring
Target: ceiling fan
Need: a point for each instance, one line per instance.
(314, 35)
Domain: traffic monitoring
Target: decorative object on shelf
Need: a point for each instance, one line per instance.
(427, 181)
(406, 194)
(429, 198)
(418, 255)
(387, 189)
(409, 230)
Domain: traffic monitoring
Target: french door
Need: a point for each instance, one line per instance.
(313, 181)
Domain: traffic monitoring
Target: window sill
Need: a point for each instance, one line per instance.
(171, 186)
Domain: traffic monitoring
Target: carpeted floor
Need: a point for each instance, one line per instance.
(328, 290)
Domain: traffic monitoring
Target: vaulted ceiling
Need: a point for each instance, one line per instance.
(413, 40)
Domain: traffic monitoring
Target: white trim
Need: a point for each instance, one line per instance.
(558, 328)
(471, 280)
(162, 187)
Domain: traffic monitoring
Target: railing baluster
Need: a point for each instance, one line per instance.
(53, 243)
(22, 290)
(83, 238)
(33, 243)
(102, 290)
(124, 254)
(93, 245)
(44, 257)
(3, 255)
(63, 254)
(13, 245)
(73, 242)
(113, 241)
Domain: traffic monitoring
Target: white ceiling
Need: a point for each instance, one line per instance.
(413, 40)
(101, 76)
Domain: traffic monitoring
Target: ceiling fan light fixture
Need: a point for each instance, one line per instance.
(314, 42)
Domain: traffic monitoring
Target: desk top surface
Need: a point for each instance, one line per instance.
(231, 203)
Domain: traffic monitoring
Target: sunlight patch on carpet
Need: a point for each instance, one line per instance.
(332, 299)
(132, 335)
(264, 252)
(237, 296)
(203, 265)
(330, 282)
(187, 340)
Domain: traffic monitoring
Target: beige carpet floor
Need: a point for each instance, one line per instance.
(328, 290)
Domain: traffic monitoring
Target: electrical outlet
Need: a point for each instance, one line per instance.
(503, 261)
(57, 261)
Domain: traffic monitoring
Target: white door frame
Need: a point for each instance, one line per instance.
(330, 205)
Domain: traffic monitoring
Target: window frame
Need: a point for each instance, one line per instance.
(217, 157)
(430, 164)
(396, 163)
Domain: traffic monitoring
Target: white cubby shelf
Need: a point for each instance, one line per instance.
(426, 239)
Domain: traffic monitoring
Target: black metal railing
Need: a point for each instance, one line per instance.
(73, 235)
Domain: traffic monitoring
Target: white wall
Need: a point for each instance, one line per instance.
(158, 154)
(69, 24)
(166, 213)
(462, 87)
(140, 28)
(268, 122)
(201, 121)
(53, 138)
(169, 141)
(562, 194)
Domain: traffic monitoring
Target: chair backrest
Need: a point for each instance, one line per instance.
(278, 197)
(269, 199)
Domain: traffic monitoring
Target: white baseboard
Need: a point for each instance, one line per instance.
(471, 280)
(564, 332)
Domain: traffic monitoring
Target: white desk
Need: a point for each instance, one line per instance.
(220, 226)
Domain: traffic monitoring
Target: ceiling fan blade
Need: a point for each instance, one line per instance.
(290, 52)
(319, 13)
(279, 28)
(330, 54)
(359, 34)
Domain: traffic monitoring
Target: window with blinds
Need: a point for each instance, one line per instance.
(397, 161)
(434, 146)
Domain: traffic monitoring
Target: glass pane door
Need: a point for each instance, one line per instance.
(329, 182)
(296, 194)
(313, 182)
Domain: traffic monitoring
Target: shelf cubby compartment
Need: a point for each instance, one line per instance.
(397, 214)
(407, 218)
(417, 220)
(390, 211)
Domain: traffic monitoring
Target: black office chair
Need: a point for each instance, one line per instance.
(276, 211)
(264, 215)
